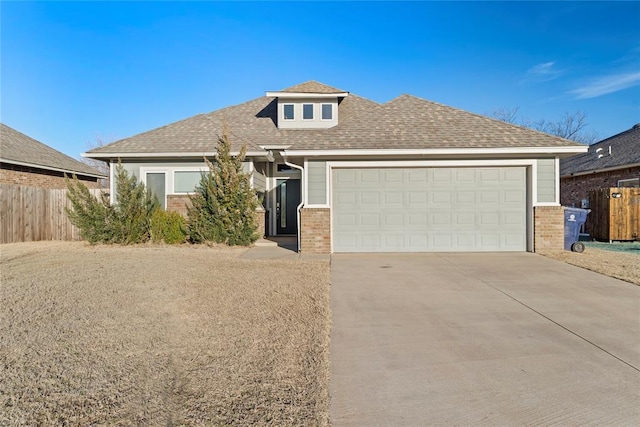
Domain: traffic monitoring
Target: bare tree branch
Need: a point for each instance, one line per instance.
(570, 126)
(101, 166)
(507, 114)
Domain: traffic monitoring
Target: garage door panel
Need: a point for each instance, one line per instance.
(488, 218)
(489, 196)
(490, 176)
(512, 175)
(465, 197)
(369, 198)
(464, 176)
(440, 177)
(417, 175)
(513, 196)
(392, 199)
(369, 220)
(417, 220)
(438, 197)
(417, 198)
(393, 219)
(442, 242)
(345, 197)
(429, 209)
(441, 219)
(464, 219)
(392, 177)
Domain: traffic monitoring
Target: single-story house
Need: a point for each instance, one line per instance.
(346, 174)
(27, 162)
(612, 162)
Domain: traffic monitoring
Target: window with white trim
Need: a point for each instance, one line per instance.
(631, 182)
(288, 112)
(327, 111)
(186, 181)
(307, 111)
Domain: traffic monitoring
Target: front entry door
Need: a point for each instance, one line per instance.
(287, 201)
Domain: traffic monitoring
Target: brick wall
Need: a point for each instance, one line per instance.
(260, 218)
(40, 178)
(575, 188)
(548, 229)
(315, 235)
(178, 203)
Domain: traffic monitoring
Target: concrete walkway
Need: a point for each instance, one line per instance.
(481, 339)
(284, 248)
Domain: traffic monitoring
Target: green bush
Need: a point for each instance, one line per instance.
(127, 221)
(224, 204)
(168, 227)
(91, 214)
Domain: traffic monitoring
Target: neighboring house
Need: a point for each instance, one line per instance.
(25, 161)
(346, 174)
(612, 162)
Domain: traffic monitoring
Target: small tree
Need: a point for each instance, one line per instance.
(223, 207)
(126, 222)
(92, 215)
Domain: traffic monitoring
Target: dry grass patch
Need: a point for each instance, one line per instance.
(620, 265)
(161, 336)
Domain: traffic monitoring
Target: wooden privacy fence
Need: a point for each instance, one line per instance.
(615, 214)
(29, 214)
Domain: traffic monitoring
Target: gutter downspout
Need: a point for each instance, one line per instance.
(301, 169)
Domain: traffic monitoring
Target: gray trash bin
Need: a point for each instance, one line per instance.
(573, 220)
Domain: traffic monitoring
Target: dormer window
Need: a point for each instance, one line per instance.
(288, 112)
(307, 111)
(327, 111)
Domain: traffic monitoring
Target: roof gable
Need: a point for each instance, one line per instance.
(625, 151)
(18, 148)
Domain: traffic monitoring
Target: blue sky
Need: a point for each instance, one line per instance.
(76, 72)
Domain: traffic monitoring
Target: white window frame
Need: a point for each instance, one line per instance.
(321, 111)
(157, 169)
(284, 114)
(169, 177)
(313, 111)
(188, 169)
(637, 180)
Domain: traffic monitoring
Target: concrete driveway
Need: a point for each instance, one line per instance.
(481, 339)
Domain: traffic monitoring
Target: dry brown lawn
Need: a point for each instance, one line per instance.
(624, 266)
(160, 335)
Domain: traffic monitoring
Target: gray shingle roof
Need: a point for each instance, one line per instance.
(625, 150)
(406, 122)
(312, 86)
(17, 147)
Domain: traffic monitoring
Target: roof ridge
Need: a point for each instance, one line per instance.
(312, 86)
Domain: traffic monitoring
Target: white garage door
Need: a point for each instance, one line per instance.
(429, 209)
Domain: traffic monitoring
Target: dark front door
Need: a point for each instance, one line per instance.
(287, 201)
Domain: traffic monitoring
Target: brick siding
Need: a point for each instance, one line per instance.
(178, 203)
(548, 228)
(260, 219)
(40, 178)
(315, 235)
(575, 188)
